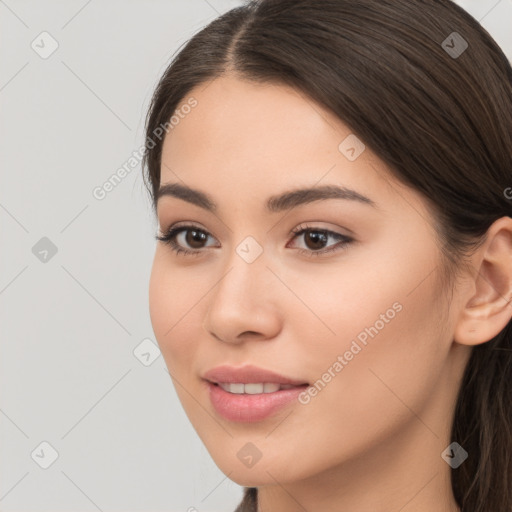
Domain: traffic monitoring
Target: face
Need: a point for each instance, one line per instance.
(338, 293)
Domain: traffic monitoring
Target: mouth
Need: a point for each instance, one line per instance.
(250, 393)
(256, 388)
(251, 402)
(249, 379)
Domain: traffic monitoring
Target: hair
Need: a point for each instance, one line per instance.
(442, 124)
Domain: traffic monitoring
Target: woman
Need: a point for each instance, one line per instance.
(332, 285)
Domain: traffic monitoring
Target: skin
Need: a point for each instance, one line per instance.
(372, 438)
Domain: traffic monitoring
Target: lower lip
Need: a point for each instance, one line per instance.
(249, 408)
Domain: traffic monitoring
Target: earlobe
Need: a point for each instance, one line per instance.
(488, 310)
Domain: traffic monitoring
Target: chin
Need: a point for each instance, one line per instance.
(247, 478)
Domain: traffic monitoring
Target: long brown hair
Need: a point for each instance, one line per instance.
(438, 113)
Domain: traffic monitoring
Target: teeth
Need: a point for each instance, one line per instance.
(253, 388)
(233, 388)
(269, 387)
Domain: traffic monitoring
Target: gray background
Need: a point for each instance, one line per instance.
(73, 372)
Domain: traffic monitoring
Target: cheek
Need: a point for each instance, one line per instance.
(161, 293)
(385, 322)
(392, 349)
(172, 313)
(390, 303)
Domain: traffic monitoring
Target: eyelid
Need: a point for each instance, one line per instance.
(182, 224)
(307, 225)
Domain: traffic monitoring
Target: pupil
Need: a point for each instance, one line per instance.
(316, 236)
(195, 237)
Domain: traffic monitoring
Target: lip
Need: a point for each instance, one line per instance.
(247, 407)
(247, 374)
(250, 408)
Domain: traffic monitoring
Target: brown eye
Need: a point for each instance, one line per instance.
(194, 238)
(315, 239)
(188, 240)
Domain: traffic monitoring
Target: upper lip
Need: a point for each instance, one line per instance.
(247, 374)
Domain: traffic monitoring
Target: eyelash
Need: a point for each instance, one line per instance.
(168, 238)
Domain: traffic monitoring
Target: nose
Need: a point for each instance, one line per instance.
(242, 305)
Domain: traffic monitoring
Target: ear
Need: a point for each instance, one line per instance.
(488, 303)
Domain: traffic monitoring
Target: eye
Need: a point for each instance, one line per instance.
(194, 237)
(316, 237)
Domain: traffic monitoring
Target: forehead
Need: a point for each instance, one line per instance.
(237, 120)
(246, 140)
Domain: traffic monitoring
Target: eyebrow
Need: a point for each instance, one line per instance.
(277, 203)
